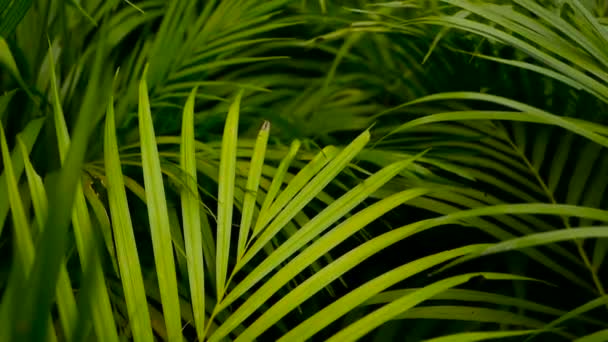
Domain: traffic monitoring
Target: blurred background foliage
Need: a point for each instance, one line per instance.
(487, 120)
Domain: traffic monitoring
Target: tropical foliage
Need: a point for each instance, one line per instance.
(303, 170)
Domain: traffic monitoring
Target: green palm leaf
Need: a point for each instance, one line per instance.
(192, 220)
(159, 218)
(128, 259)
(499, 146)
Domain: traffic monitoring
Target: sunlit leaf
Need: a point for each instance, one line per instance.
(192, 219)
(226, 177)
(158, 217)
(126, 248)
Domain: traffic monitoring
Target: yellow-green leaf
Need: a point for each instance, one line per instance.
(191, 217)
(126, 248)
(158, 216)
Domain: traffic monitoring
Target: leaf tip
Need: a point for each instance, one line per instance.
(265, 126)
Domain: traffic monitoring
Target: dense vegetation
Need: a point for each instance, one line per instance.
(303, 169)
